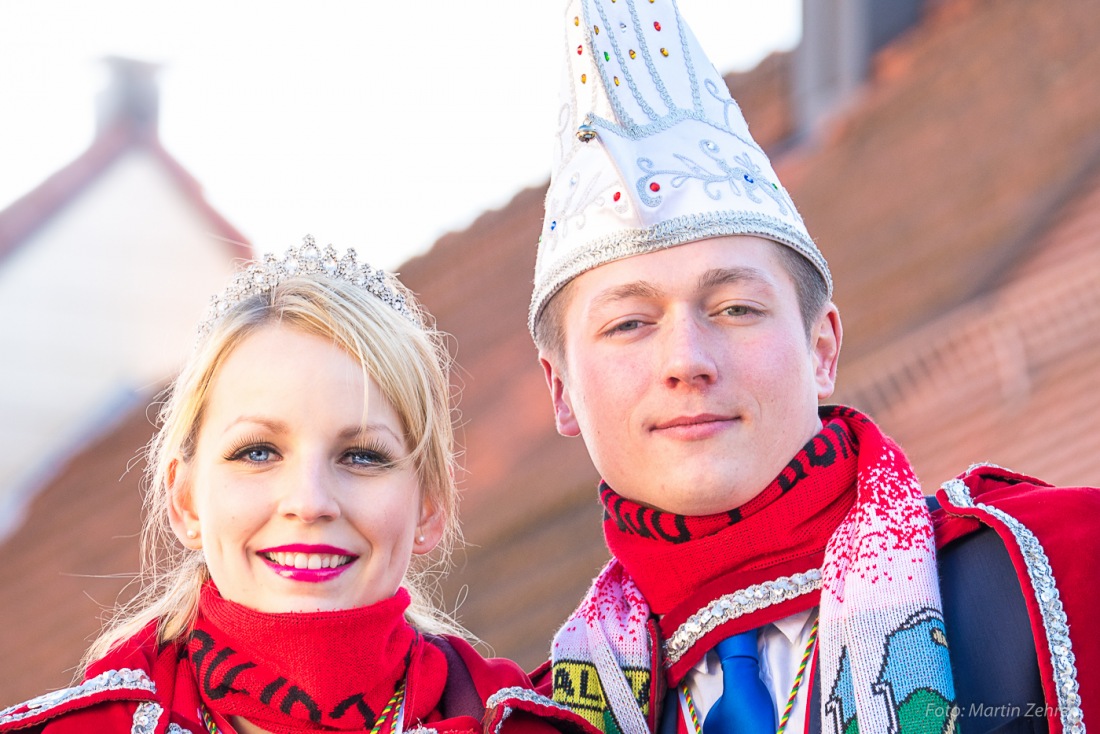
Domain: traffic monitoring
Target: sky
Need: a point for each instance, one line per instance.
(367, 124)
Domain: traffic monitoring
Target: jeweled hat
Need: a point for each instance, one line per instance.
(651, 150)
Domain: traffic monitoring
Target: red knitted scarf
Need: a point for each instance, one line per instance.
(300, 672)
(680, 563)
(844, 527)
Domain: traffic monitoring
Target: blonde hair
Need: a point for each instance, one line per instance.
(410, 365)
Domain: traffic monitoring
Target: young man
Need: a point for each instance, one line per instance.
(776, 566)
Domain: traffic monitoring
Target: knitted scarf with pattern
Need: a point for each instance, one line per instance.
(843, 527)
(300, 672)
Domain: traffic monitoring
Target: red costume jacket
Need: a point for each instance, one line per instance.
(1015, 562)
(129, 692)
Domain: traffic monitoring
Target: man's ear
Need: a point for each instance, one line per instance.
(564, 417)
(181, 512)
(825, 341)
(429, 527)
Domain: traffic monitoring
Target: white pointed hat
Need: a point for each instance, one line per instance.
(651, 151)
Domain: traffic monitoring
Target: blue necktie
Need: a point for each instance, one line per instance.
(745, 706)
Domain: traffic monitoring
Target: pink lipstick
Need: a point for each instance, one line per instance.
(309, 563)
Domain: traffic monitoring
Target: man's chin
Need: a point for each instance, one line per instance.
(696, 497)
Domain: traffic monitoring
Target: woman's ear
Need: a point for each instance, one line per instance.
(429, 528)
(181, 512)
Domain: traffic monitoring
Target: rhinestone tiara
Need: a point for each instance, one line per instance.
(306, 260)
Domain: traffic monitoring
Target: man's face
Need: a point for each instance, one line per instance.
(689, 374)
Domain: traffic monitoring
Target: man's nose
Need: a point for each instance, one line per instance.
(689, 357)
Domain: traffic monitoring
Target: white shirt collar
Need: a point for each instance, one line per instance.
(791, 627)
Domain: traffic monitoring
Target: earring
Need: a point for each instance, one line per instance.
(420, 540)
(192, 534)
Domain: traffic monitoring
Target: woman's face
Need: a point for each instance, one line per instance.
(292, 492)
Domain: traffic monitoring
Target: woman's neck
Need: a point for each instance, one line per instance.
(242, 725)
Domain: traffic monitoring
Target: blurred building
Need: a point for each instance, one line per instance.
(105, 268)
(950, 171)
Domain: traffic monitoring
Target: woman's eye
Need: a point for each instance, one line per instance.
(367, 458)
(254, 454)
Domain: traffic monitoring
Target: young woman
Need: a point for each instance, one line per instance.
(303, 462)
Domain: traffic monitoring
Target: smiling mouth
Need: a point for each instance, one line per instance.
(307, 561)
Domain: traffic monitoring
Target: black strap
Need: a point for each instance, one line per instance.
(460, 696)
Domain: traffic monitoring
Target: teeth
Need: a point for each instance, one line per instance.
(311, 561)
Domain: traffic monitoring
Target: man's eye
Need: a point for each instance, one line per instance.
(737, 310)
(626, 326)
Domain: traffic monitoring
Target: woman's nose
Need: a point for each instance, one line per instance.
(308, 493)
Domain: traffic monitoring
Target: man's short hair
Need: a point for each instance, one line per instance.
(810, 288)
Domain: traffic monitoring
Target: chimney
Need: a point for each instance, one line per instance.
(839, 37)
(131, 97)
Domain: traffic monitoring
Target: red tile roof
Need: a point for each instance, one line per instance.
(957, 202)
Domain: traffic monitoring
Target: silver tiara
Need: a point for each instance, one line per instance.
(305, 261)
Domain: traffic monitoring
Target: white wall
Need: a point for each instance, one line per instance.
(101, 302)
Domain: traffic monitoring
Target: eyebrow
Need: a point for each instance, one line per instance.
(727, 276)
(635, 289)
(277, 426)
(710, 279)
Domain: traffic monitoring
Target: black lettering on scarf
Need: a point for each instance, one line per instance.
(270, 690)
(792, 474)
(643, 694)
(206, 644)
(359, 703)
(564, 682)
(647, 523)
(629, 524)
(588, 693)
(224, 688)
(683, 536)
(845, 442)
(821, 451)
(296, 695)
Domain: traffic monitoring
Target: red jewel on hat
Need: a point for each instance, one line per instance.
(657, 24)
(580, 49)
(618, 195)
(655, 186)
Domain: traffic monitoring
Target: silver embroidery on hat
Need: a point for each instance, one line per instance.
(649, 143)
(731, 606)
(1042, 580)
